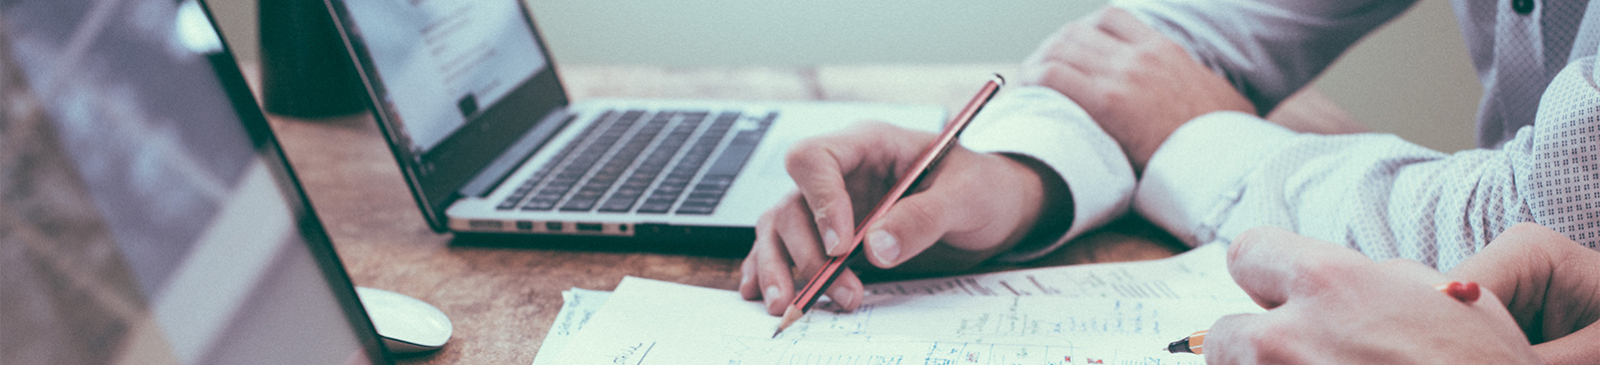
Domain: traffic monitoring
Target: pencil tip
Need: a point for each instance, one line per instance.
(789, 317)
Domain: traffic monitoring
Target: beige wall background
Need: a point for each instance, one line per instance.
(1411, 78)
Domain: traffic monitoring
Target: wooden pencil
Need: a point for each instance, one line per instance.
(807, 296)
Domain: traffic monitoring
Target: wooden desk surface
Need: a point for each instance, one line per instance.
(503, 300)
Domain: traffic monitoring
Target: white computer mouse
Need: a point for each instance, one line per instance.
(406, 324)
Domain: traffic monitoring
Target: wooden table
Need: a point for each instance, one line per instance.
(503, 300)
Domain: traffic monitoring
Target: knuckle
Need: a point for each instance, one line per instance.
(1055, 75)
(1316, 275)
(1271, 343)
(803, 152)
(1148, 57)
(1248, 240)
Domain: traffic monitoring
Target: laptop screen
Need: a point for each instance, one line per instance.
(145, 212)
(443, 61)
(454, 83)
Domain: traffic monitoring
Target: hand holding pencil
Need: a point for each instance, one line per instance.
(955, 221)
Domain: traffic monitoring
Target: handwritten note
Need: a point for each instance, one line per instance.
(1072, 315)
(1200, 274)
(577, 308)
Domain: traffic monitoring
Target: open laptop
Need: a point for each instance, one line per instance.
(147, 215)
(473, 109)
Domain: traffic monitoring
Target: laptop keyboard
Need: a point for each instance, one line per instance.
(602, 169)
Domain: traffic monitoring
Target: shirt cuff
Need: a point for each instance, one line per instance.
(1042, 124)
(1198, 174)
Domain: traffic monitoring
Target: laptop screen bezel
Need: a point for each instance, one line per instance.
(437, 175)
(307, 224)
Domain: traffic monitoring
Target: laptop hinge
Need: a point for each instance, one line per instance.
(507, 162)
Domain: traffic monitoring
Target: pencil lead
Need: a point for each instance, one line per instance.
(789, 317)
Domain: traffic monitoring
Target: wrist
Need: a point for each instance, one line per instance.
(1050, 204)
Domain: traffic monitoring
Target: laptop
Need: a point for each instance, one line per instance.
(147, 215)
(473, 108)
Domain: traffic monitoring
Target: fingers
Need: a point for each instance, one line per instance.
(1124, 26)
(818, 171)
(1544, 279)
(846, 291)
(866, 154)
(1084, 47)
(961, 211)
(1272, 264)
(766, 273)
(1515, 264)
(785, 239)
(1575, 348)
(747, 273)
(1247, 339)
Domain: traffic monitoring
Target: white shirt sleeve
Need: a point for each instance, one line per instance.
(1225, 172)
(1042, 124)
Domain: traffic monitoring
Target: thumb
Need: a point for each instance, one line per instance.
(915, 223)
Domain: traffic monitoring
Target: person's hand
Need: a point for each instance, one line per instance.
(977, 205)
(1329, 304)
(1137, 84)
(1550, 284)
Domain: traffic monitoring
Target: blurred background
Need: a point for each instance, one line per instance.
(1412, 78)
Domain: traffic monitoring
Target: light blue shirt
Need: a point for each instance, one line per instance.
(1226, 172)
(1269, 49)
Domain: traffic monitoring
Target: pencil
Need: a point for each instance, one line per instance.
(1194, 344)
(925, 163)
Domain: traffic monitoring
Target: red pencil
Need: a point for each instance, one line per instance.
(930, 157)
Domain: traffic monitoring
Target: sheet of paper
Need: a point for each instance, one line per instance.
(1200, 274)
(651, 322)
(578, 306)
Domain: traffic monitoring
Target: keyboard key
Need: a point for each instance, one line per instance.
(696, 209)
(654, 205)
(540, 204)
(506, 204)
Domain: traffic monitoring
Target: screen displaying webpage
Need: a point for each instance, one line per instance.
(444, 61)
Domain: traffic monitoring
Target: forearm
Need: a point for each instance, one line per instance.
(1268, 49)
(1225, 173)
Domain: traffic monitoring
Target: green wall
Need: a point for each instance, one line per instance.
(1411, 78)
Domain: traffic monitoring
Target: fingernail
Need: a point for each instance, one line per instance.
(830, 240)
(771, 294)
(744, 280)
(847, 299)
(885, 246)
